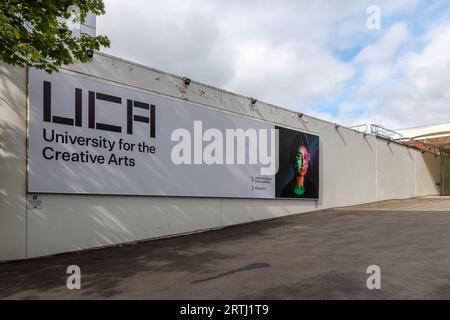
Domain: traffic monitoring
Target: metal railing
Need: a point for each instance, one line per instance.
(360, 128)
(386, 133)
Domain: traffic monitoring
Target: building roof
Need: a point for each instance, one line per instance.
(437, 135)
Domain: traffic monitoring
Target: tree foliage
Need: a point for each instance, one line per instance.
(32, 33)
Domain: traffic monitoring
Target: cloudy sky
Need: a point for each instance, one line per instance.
(318, 57)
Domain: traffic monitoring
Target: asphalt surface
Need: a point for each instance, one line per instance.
(318, 255)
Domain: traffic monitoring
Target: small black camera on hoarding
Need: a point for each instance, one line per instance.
(90, 53)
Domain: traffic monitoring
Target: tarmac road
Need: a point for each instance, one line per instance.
(317, 255)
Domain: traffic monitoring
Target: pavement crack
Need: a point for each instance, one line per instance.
(248, 267)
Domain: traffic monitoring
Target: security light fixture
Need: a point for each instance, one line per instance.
(90, 53)
(186, 81)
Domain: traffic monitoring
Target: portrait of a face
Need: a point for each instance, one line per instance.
(301, 161)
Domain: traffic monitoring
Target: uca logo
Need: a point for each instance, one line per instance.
(91, 111)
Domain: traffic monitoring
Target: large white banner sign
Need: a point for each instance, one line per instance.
(87, 136)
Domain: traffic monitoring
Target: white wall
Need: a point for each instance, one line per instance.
(354, 169)
(12, 163)
(428, 173)
(395, 171)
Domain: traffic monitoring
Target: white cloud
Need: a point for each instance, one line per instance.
(288, 73)
(409, 88)
(387, 47)
(284, 52)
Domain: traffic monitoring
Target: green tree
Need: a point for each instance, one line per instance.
(32, 33)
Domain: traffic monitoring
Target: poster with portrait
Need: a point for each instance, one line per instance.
(298, 173)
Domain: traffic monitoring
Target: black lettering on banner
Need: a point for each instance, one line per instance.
(92, 124)
(44, 153)
(48, 107)
(131, 117)
(108, 127)
(91, 110)
(78, 106)
(47, 101)
(62, 120)
(141, 119)
(141, 105)
(109, 98)
(153, 117)
(104, 126)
